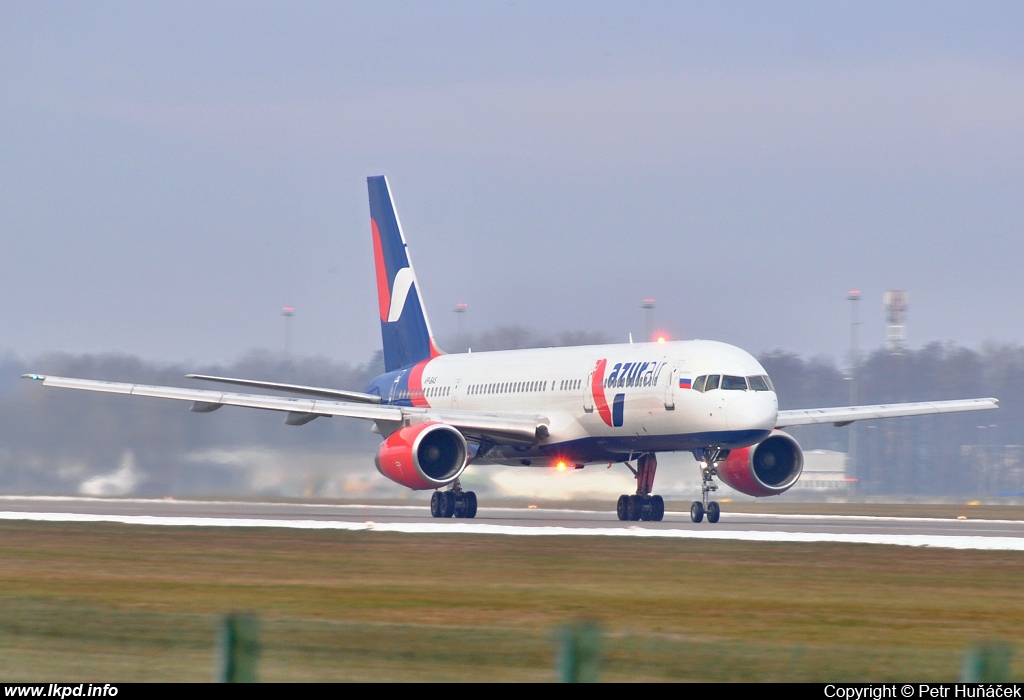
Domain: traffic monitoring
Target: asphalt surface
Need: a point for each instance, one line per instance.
(237, 512)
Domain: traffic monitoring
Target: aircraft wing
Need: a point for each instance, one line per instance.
(503, 427)
(844, 415)
(337, 394)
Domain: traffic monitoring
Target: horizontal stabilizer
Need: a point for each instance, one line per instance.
(845, 415)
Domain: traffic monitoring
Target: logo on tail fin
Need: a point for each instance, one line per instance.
(392, 300)
(403, 283)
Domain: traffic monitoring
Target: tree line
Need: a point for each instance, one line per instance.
(52, 441)
(977, 453)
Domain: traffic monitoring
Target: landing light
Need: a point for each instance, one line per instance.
(560, 466)
(661, 339)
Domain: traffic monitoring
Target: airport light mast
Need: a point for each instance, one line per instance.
(460, 310)
(288, 312)
(648, 306)
(851, 468)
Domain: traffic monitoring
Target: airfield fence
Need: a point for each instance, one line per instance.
(47, 641)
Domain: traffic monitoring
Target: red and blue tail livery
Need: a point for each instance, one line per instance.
(404, 327)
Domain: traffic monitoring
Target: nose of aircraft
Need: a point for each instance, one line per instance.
(756, 410)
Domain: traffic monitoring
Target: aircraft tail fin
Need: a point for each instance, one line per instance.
(404, 327)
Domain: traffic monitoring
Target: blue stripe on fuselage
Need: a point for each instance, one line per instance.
(385, 387)
(616, 449)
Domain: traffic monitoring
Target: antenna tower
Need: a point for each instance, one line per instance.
(895, 302)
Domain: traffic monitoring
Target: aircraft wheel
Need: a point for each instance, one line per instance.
(646, 512)
(436, 504)
(622, 507)
(470, 497)
(657, 508)
(714, 512)
(460, 504)
(697, 512)
(449, 504)
(635, 505)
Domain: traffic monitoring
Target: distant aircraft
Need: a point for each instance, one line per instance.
(546, 407)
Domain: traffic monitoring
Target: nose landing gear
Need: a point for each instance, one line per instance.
(642, 505)
(708, 470)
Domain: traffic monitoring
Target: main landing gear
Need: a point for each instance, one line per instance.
(708, 470)
(642, 505)
(453, 503)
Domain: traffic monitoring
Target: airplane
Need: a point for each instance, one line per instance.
(547, 407)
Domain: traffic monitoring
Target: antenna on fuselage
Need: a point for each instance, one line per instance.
(630, 338)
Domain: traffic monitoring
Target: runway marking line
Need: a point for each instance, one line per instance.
(495, 509)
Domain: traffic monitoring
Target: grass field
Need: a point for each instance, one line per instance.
(106, 602)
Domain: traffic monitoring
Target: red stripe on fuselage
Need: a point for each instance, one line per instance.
(383, 289)
(598, 388)
(416, 384)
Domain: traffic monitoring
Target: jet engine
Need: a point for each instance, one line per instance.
(765, 469)
(423, 456)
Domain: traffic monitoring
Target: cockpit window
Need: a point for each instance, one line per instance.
(758, 383)
(713, 381)
(734, 383)
(698, 383)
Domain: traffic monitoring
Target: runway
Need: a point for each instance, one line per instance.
(415, 519)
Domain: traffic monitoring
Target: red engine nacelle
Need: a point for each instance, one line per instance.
(765, 469)
(423, 456)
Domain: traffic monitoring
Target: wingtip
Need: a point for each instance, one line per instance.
(36, 377)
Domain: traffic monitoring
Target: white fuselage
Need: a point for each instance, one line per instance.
(602, 402)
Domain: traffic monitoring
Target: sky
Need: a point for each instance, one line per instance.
(175, 173)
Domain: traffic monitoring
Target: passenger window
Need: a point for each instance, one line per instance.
(734, 383)
(712, 384)
(698, 383)
(757, 383)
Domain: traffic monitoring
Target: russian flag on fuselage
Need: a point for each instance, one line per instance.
(405, 330)
(685, 383)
